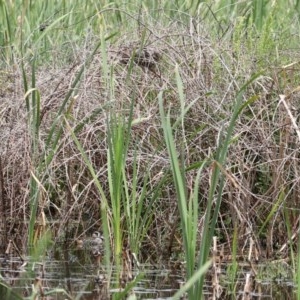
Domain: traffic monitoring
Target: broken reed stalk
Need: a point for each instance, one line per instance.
(216, 266)
(247, 287)
(250, 275)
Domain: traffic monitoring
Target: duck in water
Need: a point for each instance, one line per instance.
(96, 244)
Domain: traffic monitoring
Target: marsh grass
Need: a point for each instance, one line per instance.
(162, 158)
(118, 138)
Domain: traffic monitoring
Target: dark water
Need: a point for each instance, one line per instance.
(87, 279)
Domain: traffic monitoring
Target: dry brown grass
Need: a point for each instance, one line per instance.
(263, 161)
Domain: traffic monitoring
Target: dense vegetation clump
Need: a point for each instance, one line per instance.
(160, 125)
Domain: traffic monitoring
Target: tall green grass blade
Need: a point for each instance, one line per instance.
(175, 166)
(273, 211)
(118, 137)
(188, 209)
(116, 163)
(138, 215)
(33, 111)
(258, 8)
(26, 88)
(189, 284)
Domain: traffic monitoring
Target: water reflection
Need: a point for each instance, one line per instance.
(83, 278)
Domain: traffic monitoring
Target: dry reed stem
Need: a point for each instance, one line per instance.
(216, 267)
(247, 288)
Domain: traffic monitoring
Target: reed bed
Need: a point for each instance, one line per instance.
(160, 125)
